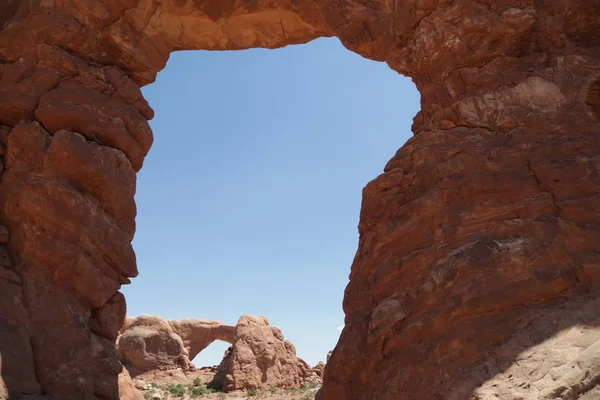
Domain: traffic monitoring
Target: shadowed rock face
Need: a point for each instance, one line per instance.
(478, 244)
(152, 343)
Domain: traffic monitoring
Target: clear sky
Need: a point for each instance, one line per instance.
(248, 202)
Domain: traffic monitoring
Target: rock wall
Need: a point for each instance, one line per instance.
(478, 245)
(67, 197)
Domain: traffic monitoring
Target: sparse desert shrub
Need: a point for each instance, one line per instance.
(197, 382)
(198, 391)
(272, 389)
(251, 392)
(149, 394)
(221, 396)
(307, 386)
(176, 390)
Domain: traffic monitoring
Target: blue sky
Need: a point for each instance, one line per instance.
(248, 202)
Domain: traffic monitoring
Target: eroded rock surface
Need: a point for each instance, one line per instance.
(197, 334)
(484, 222)
(127, 389)
(153, 343)
(319, 369)
(260, 358)
(567, 365)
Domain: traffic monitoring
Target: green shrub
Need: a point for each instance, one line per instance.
(176, 390)
(198, 391)
(153, 389)
(197, 382)
(251, 392)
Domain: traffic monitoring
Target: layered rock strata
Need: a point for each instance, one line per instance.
(478, 245)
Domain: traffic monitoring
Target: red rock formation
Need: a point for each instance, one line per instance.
(478, 244)
(68, 202)
(153, 343)
(259, 359)
(150, 343)
(319, 369)
(197, 334)
(127, 390)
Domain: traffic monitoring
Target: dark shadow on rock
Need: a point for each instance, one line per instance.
(542, 352)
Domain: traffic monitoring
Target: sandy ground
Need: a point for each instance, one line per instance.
(161, 385)
(308, 394)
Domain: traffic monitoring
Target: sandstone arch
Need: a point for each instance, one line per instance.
(150, 342)
(199, 334)
(477, 245)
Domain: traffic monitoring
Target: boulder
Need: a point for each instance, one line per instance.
(260, 358)
(319, 369)
(150, 343)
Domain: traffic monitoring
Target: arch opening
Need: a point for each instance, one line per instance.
(493, 197)
(261, 183)
(205, 359)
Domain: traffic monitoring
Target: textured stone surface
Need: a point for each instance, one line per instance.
(127, 389)
(484, 221)
(260, 358)
(197, 334)
(447, 297)
(107, 320)
(565, 366)
(152, 343)
(319, 369)
(16, 356)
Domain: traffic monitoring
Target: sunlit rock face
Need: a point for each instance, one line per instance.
(478, 244)
(149, 342)
(261, 359)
